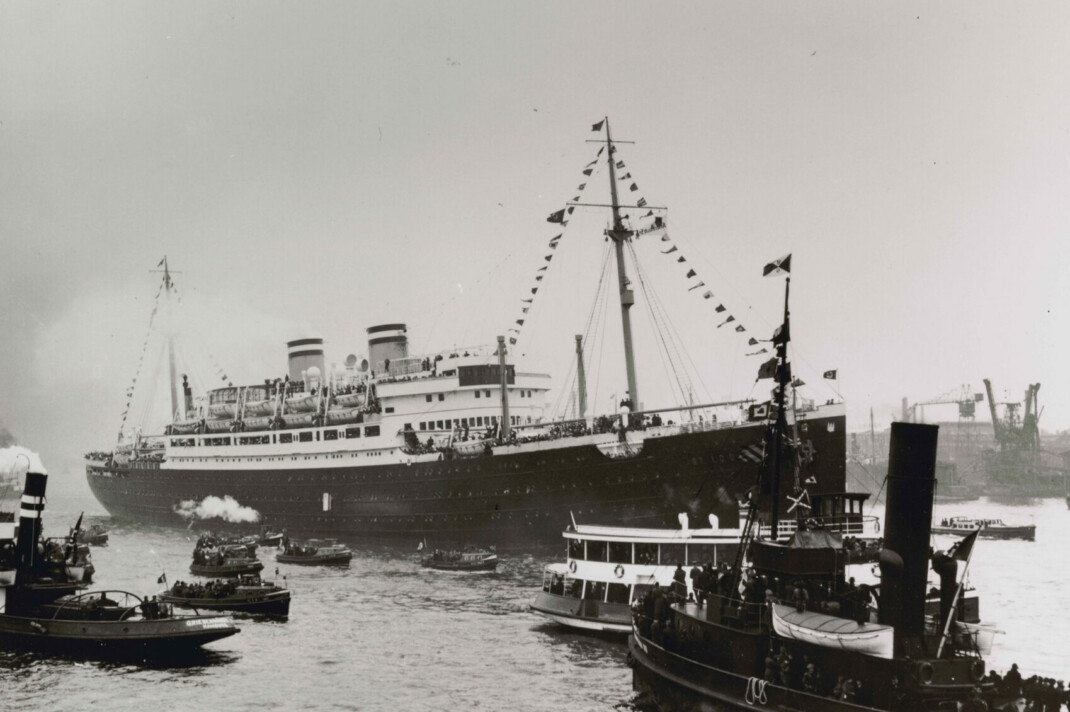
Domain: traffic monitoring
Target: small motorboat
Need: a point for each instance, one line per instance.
(95, 535)
(223, 560)
(248, 594)
(990, 528)
(470, 559)
(315, 552)
(829, 631)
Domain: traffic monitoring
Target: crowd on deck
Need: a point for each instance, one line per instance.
(216, 588)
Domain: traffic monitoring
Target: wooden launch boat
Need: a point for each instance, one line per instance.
(470, 560)
(316, 552)
(229, 567)
(990, 528)
(833, 631)
(249, 595)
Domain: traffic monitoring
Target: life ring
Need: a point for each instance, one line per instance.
(619, 571)
(572, 566)
(925, 673)
(977, 670)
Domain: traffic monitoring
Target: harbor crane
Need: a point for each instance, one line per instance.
(964, 397)
(1014, 432)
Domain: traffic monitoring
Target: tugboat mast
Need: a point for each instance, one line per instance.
(619, 234)
(783, 376)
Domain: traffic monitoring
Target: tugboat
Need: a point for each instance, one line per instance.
(789, 633)
(315, 552)
(249, 594)
(989, 528)
(470, 559)
(213, 559)
(43, 609)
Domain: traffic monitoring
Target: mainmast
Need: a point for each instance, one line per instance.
(783, 376)
(619, 234)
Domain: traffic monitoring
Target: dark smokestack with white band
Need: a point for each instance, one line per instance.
(304, 354)
(387, 342)
(33, 503)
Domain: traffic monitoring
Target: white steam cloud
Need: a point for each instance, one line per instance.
(212, 507)
(17, 460)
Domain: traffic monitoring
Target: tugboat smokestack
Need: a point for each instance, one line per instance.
(905, 559)
(33, 503)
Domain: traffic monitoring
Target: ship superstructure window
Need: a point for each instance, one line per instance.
(487, 393)
(672, 554)
(596, 550)
(617, 593)
(442, 396)
(575, 549)
(596, 591)
(477, 394)
(352, 432)
(573, 587)
(389, 409)
(620, 552)
(304, 437)
(429, 398)
(286, 438)
(372, 431)
(646, 553)
(330, 434)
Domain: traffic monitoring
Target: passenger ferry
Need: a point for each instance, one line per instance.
(609, 567)
(990, 528)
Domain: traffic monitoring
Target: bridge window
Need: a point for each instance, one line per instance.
(575, 549)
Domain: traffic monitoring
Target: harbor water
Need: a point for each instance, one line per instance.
(386, 634)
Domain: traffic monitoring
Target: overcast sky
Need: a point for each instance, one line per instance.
(331, 165)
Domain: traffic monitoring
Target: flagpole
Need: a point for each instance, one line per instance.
(954, 603)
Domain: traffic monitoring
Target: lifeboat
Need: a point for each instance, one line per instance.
(834, 632)
(218, 426)
(301, 403)
(260, 407)
(298, 420)
(262, 423)
(186, 427)
(337, 417)
(349, 400)
(223, 410)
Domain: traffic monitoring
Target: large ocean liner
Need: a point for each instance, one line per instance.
(457, 446)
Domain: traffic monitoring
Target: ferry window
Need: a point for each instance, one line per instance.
(286, 438)
(428, 397)
(618, 593)
(639, 589)
(372, 431)
(646, 553)
(442, 396)
(478, 394)
(573, 587)
(575, 549)
(672, 554)
(596, 551)
(596, 591)
(440, 426)
(699, 554)
(390, 409)
(620, 552)
(557, 584)
(330, 434)
(304, 437)
(727, 552)
(487, 393)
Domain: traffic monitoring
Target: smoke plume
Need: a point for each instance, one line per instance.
(212, 507)
(16, 460)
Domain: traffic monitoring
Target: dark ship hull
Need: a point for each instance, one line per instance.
(168, 637)
(515, 498)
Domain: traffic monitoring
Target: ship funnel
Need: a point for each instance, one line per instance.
(908, 519)
(33, 503)
(387, 342)
(304, 354)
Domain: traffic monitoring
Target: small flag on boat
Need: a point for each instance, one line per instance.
(707, 295)
(831, 375)
(669, 251)
(752, 341)
(696, 286)
(664, 238)
(162, 579)
(759, 351)
(720, 308)
(961, 550)
(691, 273)
(633, 187)
(681, 258)
(726, 321)
(978, 397)
(598, 126)
(620, 164)
(642, 203)
(778, 266)
(588, 171)
(741, 328)
(798, 382)
(556, 217)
